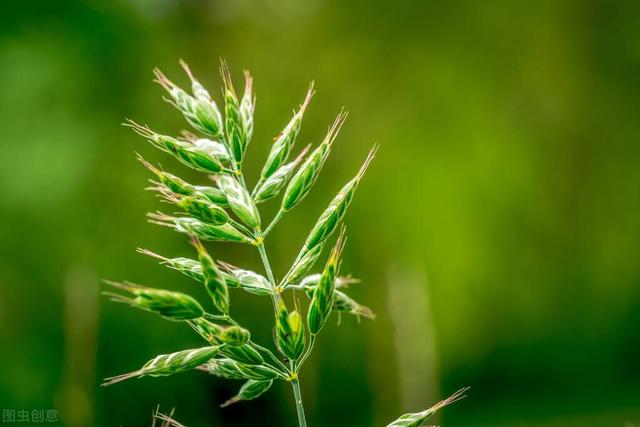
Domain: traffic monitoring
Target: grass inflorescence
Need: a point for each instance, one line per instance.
(225, 209)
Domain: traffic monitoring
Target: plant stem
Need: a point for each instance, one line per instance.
(302, 422)
(298, 365)
(274, 222)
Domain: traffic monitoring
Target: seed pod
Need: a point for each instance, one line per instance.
(303, 264)
(419, 418)
(243, 354)
(272, 186)
(306, 176)
(239, 200)
(199, 110)
(215, 195)
(248, 280)
(169, 364)
(249, 391)
(196, 228)
(198, 207)
(247, 106)
(168, 304)
(213, 280)
(173, 183)
(289, 332)
(213, 148)
(233, 123)
(186, 153)
(284, 142)
(322, 300)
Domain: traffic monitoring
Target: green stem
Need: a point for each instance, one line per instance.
(275, 220)
(312, 341)
(271, 355)
(302, 422)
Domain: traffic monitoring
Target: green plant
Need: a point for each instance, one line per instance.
(226, 210)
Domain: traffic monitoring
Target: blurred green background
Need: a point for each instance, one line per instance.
(497, 233)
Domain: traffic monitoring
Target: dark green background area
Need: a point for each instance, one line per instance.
(497, 233)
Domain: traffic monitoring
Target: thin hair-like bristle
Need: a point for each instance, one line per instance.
(336, 126)
(142, 130)
(152, 254)
(307, 98)
(365, 165)
(119, 378)
(187, 70)
(248, 81)
(226, 76)
(162, 80)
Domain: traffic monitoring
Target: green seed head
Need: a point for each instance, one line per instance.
(213, 194)
(173, 183)
(249, 391)
(235, 336)
(302, 265)
(322, 300)
(186, 266)
(169, 364)
(184, 151)
(168, 304)
(248, 280)
(289, 332)
(272, 186)
(308, 173)
(207, 330)
(334, 213)
(240, 200)
(242, 354)
(419, 418)
(247, 106)
(200, 111)
(344, 303)
(213, 280)
(284, 142)
(196, 228)
(234, 124)
(213, 148)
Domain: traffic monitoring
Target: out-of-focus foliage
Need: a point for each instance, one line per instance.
(505, 192)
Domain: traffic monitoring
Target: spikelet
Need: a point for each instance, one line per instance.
(169, 364)
(199, 110)
(271, 187)
(418, 419)
(203, 231)
(184, 151)
(289, 332)
(239, 200)
(249, 391)
(322, 300)
(168, 304)
(237, 140)
(284, 141)
(248, 280)
(213, 280)
(308, 173)
(326, 225)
